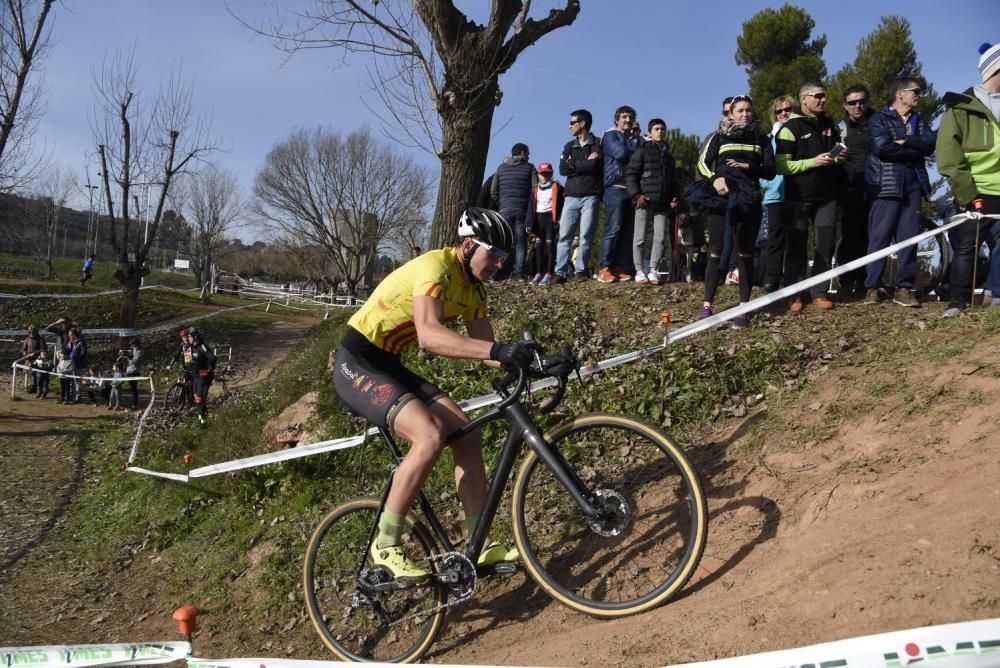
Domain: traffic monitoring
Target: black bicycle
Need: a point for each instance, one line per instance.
(608, 515)
(180, 397)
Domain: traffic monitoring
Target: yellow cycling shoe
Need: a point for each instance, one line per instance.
(495, 553)
(394, 560)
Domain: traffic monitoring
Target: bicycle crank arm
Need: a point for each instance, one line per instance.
(505, 568)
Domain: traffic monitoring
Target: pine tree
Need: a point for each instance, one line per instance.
(779, 55)
(884, 54)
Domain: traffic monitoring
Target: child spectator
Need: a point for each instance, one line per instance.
(43, 364)
(114, 399)
(30, 347)
(65, 368)
(132, 370)
(96, 386)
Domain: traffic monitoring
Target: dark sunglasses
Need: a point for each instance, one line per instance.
(497, 254)
(856, 103)
(740, 98)
(574, 122)
(783, 110)
(818, 96)
(916, 91)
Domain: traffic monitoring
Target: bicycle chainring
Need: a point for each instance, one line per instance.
(462, 566)
(614, 514)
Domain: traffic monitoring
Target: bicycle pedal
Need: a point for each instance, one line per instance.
(505, 568)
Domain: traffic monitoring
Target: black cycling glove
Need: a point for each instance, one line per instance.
(517, 355)
(559, 366)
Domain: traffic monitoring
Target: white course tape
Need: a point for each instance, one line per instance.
(966, 645)
(82, 656)
(300, 663)
(625, 358)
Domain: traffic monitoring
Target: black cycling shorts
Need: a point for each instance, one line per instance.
(374, 383)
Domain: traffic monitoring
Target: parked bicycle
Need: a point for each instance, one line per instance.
(608, 514)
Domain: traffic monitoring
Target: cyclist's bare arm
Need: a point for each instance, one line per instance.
(435, 337)
(482, 329)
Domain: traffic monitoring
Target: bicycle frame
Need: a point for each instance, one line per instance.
(522, 430)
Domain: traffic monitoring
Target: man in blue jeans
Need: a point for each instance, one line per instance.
(896, 181)
(582, 163)
(512, 188)
(618, 144)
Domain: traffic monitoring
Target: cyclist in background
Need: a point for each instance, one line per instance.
(203, 371)
(414, 304)
(183, 354)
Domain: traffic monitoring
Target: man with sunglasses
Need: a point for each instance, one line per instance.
(414, 305)
(896, 179)
(854, 209)
(814, 185)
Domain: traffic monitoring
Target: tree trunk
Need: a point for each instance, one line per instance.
(130, 280)
(466, 143)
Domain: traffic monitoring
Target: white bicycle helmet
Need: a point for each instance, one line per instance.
(488, 226)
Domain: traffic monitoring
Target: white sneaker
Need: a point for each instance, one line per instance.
(640, 277)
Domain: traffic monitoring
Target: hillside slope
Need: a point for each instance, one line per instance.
(851, 465)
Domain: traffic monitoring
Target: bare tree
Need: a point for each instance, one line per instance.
(435, 71)
(140, 144)
(348, 196)
(216, 204)
(50, 196)
(24, 41)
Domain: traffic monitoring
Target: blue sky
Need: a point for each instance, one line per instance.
(666, 58)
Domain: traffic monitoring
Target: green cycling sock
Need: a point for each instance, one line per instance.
(390, 529)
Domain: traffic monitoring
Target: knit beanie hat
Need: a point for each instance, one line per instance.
(989, 60)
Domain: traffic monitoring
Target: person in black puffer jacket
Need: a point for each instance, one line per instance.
(737, 156)
(649, 178)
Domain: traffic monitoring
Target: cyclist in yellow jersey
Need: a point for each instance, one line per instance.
(415, 303)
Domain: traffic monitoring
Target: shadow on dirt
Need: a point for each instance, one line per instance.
(66, 494)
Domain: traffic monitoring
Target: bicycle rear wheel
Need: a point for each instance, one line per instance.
(649, 542)
(174, 399)
(933, 260)
(356, 623)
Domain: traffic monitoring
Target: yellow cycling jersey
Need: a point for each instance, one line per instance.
(386, 319)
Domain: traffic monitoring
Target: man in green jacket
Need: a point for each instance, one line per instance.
(968, 154)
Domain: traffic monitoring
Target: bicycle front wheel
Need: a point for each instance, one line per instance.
(357, 622)
(647, 542)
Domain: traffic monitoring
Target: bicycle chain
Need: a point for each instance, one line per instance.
(438, 608)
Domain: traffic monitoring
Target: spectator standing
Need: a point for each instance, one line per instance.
(773, 255)
(60, 329)
(88, 266)
(548, 198)
(582, 163)
(897, 181)
(813, 189)
(32, 345)
(65, 369)
(619, 143)
(968, 155)
(737, 157)
(133, 368)
(854, 207)
(485, 198)
(650, 180)
(115, 395)
(511, 188)
(77, 350)
(41, 377)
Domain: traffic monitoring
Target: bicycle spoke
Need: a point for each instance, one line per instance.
(355, 621)
(647, 542)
